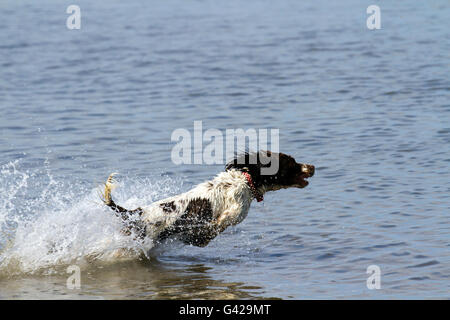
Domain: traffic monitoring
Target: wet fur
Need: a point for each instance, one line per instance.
(199, 215)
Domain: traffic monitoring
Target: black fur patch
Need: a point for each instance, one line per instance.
(132, 222)
(168, 206)
(195, 224)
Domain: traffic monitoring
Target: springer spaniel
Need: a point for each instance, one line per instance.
(199, 215)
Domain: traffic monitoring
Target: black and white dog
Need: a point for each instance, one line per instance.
(199, 215)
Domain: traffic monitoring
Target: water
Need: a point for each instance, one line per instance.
(369, 108)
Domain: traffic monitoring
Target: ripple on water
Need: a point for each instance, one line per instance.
(425, 264)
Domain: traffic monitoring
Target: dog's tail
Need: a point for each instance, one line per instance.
(109, 187)
(107, 199)
(133, 224)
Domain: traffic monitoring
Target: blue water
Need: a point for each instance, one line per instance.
(369, 108)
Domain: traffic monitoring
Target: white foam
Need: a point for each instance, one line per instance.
(46, 224)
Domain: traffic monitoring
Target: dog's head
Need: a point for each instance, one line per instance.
(284, 171)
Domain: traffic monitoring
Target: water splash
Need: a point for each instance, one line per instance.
(46, 224)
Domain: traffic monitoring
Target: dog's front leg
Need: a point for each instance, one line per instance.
(193, 232)
(224, 220)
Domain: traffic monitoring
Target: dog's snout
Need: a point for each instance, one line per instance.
(308, 169)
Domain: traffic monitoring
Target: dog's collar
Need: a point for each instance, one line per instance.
(258, 195)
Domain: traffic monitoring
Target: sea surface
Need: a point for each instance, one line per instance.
(369, 108)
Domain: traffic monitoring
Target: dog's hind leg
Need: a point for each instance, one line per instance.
(133, 222)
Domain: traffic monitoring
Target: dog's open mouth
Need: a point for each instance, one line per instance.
(307, 172)
(301, 180)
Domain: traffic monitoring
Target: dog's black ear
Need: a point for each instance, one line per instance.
(247, 162)
(237, 167)
(230, 165)
(240, 162)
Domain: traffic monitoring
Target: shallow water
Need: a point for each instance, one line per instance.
(369, 108)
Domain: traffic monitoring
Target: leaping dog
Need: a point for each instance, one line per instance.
(199, 215)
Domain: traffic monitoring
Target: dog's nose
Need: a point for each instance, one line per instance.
(308, 169)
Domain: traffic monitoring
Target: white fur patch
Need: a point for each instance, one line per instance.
(228, 193)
